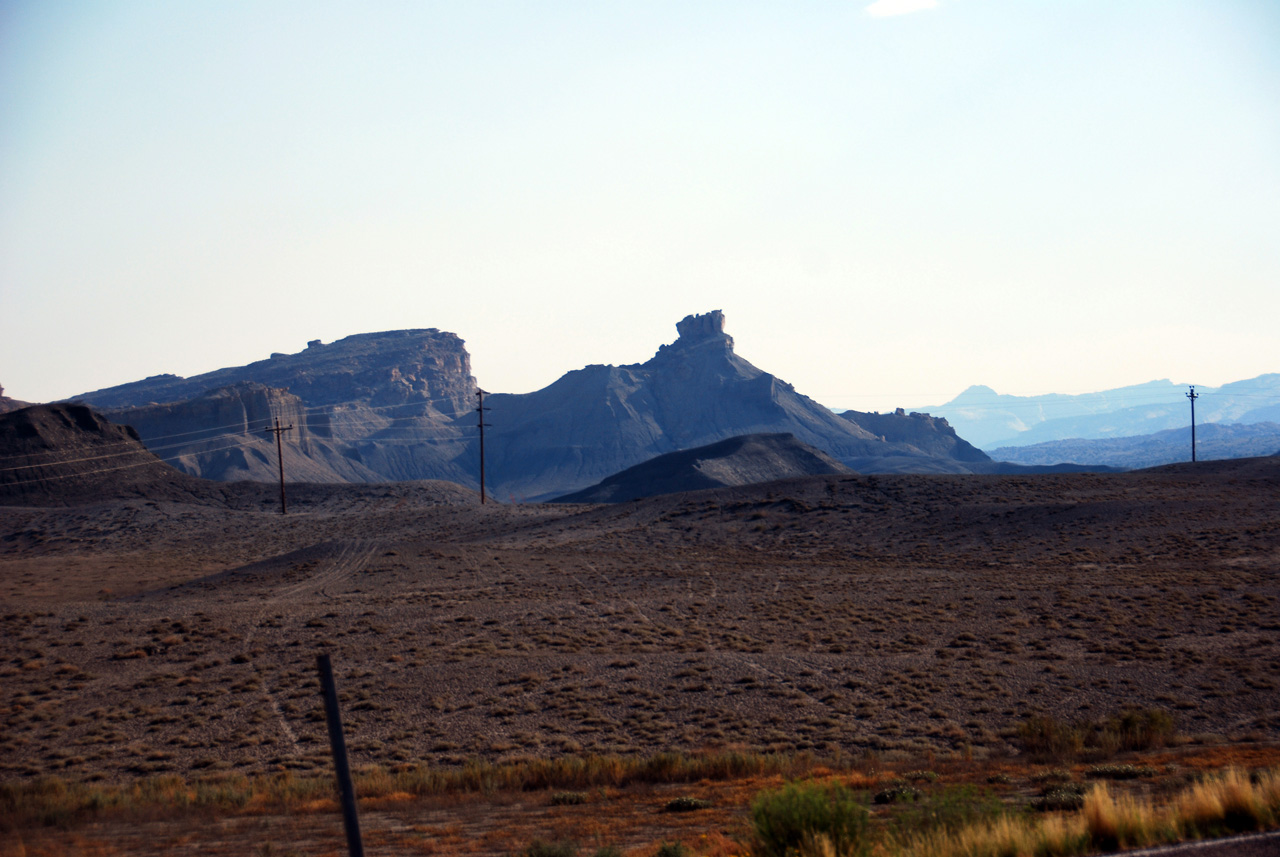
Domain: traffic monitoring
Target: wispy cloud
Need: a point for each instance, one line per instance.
(886, 8)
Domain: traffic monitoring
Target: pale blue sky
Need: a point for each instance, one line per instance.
(1036, 195)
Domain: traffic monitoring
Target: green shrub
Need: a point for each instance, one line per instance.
(898, 794)
(673, 849)
(568, 798)
(786, 818)
(1120, 772)
(1054, 775)
(541, 848)
(949, 809)
(687, 804)
(1143, 728)
(920, 777)
(1060, 799)
(1045, 737)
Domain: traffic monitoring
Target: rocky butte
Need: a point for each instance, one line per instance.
(373, 407)
(596, 421)
(400, 405)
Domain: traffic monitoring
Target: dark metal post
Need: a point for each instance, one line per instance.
(1192, 396)
(346, 788)
(284, 508)
(480, 409)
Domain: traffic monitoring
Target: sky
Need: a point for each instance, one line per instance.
(890, 200)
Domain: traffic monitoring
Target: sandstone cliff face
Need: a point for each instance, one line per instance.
(244, 409)
(427, 372)
(373, 407)
(223, 435)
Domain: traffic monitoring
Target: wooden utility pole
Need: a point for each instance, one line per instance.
(277, 431)
(1192, 396)
(480, 409)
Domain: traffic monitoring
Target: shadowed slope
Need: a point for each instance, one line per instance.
(742, 460)
(68, 452)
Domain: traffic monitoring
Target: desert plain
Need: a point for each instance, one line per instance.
(881, 618)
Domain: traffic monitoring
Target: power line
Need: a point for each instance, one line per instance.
(176, 450)
(245, 427)
(249, 424)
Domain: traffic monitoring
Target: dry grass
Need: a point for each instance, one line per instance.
(1230, 802)
(54, 801)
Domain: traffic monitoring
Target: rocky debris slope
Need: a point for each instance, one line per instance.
(742, 460)
(66, 453)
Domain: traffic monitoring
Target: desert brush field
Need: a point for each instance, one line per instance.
(518, 677)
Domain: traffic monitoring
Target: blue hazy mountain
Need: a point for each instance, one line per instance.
(1213, 441)
(991, 420)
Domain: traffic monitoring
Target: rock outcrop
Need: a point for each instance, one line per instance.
(597, 421)
(223, 435)
(7, 404)
(743, 460)
(66, 452)
(373, 407)
(422, 372)
(399, 406)
(927, 435)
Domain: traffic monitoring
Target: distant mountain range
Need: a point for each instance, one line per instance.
(1213, 441)
(994, 421)
(401, 405)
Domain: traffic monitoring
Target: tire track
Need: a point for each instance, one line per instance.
(353, 556)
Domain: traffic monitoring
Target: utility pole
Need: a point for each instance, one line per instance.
(277, 431)
(341, 766)
(480, 409)
(1192, 396)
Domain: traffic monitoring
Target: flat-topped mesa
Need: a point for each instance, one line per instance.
(701, 330)
(429, 368)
